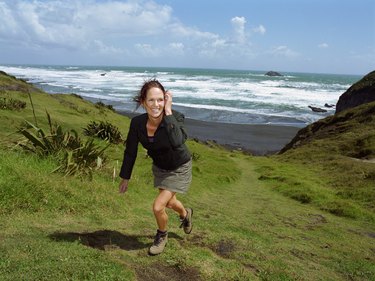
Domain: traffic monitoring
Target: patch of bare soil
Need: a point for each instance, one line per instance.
(196, 239)
(224, 248)
(315, 221)
(161, 272)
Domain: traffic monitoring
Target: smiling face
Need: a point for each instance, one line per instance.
(154, 102)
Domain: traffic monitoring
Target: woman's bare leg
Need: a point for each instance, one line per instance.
(177, 206)
(159, 206)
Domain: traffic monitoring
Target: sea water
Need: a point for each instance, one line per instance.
(217, 95)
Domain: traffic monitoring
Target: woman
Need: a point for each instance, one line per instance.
(161, 131)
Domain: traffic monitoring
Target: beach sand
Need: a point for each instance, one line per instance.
(256, 139)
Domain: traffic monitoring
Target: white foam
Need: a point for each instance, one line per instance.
(251, 93)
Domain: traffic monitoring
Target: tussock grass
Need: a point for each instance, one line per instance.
(255, 218)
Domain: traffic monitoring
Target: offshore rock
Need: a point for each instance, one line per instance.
(317, 109)
(359, 93)
(273, 73)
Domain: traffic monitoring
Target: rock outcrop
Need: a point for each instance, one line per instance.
(359, 93)
(317, 109)
(357, 122)
(273, 73)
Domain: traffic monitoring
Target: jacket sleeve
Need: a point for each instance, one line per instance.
(130, 152)
(175, 128)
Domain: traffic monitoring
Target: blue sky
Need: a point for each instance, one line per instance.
(321, 36)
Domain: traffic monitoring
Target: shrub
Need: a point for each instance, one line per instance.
(82, 160)
(42, 144)
(11, 104)
(103, 130)
(75, 156)
(101, 105)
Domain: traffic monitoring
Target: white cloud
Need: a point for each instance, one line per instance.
(130, 29)
(181, 30)
(323, 46)
(176, 48)
(8, 24)
(108, 50)
(130, 18)
(283, 51)
(259, 29)
(79, 23)
(147, 50)
(238, 24)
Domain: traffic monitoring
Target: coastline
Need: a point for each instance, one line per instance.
(254, 138)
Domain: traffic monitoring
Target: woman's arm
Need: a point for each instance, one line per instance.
(175, 128)
(174, 122)
(130, 152)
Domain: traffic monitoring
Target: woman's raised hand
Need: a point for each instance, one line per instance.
(168, 103)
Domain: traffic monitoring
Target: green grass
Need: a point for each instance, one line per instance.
(285, 217)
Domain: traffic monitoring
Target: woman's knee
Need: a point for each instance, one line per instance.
(172, 203)
(164, 200)
(158, 207)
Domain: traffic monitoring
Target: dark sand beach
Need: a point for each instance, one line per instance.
(257, 139)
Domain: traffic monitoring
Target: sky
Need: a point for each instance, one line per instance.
(314, 36)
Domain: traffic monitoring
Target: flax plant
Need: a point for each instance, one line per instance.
(76, 157)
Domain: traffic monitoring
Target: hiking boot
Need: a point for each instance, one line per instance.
(159, 243)
(187, 222)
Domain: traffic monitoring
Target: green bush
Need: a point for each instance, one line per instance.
(82, 160)
(75, 156)
(103, 130)
(102, 105)
(11, 104)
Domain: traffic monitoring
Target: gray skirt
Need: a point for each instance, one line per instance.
(177, 180)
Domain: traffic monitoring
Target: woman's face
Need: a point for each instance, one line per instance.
(154, 103)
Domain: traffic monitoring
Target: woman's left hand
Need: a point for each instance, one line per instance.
(168, 103)
(123, 186)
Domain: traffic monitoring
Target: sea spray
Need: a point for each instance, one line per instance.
(231, 96)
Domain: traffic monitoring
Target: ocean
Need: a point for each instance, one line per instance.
(216, 95)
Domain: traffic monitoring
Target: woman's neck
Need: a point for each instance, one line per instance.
(155, 121)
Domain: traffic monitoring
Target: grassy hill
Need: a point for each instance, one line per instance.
(306, 214)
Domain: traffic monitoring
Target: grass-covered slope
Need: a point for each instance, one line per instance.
(341, 150)
(56, 227)
(351, 133)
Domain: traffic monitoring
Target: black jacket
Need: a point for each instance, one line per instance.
(168, 149)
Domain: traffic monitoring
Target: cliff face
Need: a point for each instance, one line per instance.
(359, 93)
(350, 131)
